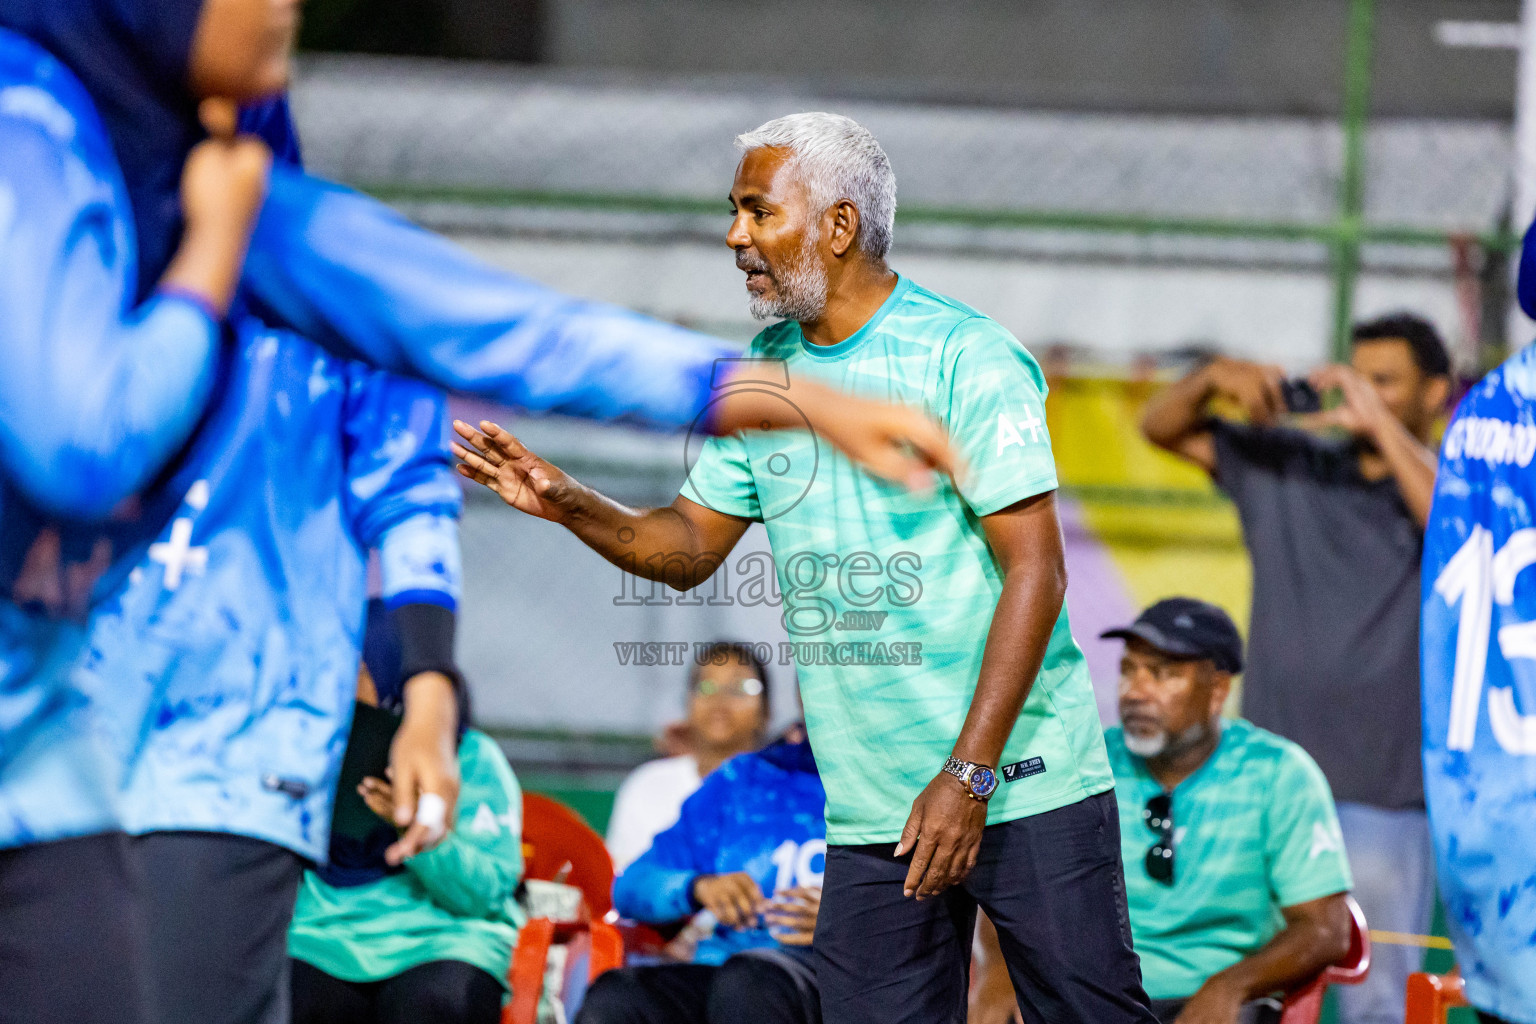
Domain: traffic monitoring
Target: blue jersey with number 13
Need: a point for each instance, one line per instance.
(1479, 664)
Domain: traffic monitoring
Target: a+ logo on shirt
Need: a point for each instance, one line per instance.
(488, 822)
(1009, 432)
(176, 553)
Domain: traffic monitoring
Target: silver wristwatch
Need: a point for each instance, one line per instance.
(980, 781)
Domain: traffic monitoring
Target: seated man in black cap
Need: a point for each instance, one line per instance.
(1234, 866)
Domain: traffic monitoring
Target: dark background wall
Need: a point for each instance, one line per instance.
(1199, 56)
(503, 30)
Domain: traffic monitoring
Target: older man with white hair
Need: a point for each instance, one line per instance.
(950, 709)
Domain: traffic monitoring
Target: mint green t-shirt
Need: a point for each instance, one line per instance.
(453, 902)
(888, 595)
(1254, 830)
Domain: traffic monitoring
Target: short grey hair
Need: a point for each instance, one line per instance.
(839, 159)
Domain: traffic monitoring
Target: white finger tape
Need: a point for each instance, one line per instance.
(432, 811)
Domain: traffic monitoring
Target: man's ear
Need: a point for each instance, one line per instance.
(842, 224)
(1221, 688)
(1436, 391)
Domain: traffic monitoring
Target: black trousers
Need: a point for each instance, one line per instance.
(218, 908)
(1053, 885)
(440, 992)
(766, 986)
(73, 945)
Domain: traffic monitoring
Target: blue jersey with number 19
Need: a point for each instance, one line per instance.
(1479, 664)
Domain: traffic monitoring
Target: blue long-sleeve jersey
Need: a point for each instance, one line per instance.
(226, 669)
(763, 813)
(99, 398)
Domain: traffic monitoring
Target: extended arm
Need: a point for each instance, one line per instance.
(1176, 419)
(657, 888)
(349, 273)
(945, 824)
(1316, 934)
(681, 544)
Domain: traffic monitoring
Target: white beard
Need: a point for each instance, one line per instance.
(1161, 742)
(1146, 746)
(800, 288)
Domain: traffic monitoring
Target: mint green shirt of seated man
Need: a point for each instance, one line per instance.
(887, 595)
(1255, 830)
(453, 902)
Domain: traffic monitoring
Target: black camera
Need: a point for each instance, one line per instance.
(1300, 396)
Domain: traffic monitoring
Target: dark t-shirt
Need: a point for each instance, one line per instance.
(1333, 646)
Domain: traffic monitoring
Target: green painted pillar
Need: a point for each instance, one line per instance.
(1359, 50)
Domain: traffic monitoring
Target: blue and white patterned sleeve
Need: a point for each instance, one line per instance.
(421, 563)
(405, 499)
(352, 275)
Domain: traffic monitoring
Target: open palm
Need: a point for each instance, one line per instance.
(493, 457)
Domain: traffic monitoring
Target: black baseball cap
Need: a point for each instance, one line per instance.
(1187, 628)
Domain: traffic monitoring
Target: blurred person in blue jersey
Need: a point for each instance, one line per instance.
(228, 664)
(750, 849)
(729, 708)
(1479, 695)
(121, 239)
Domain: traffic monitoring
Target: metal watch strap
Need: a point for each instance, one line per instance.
(963, 770)
(958, 768)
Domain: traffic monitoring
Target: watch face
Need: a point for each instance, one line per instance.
(983, 781)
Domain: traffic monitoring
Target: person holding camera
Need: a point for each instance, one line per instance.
(1333, 504)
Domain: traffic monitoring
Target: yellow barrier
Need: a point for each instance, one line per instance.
(1406, 939)
(1163, 524)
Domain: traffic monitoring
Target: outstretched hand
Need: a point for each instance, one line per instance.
(891, 441)
(493, 457)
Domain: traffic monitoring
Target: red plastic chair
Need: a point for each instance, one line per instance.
(559, 846)
(1431, 995)
(1305, 1004)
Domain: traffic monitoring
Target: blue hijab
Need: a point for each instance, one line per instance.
(1525, 288)
(132, 57)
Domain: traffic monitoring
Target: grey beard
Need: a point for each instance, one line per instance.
(1146, 746)
(801, 288)
(1161, 742)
